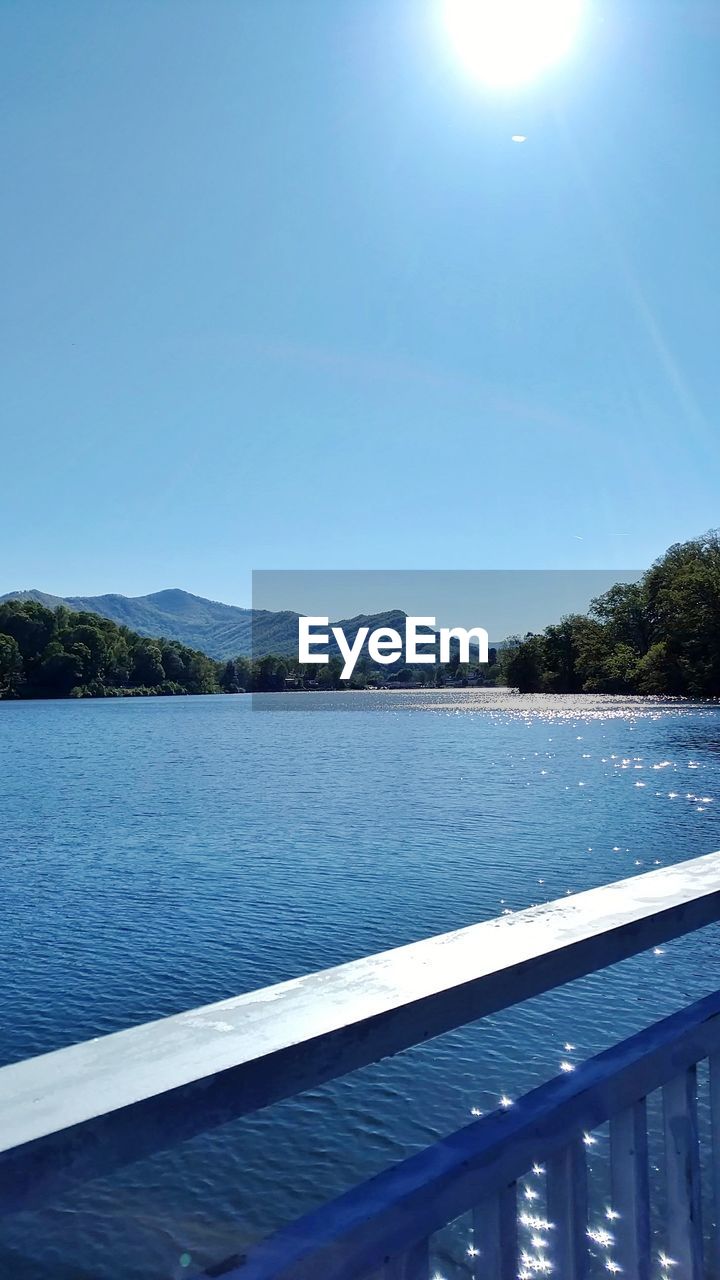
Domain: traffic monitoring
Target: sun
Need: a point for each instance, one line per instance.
(511, 42)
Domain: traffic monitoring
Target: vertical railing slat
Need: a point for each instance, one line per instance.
(715, 1158)
(567, 1210)
(494, 1227)
(682, 1160)
(630, 1190)
(413, 1264)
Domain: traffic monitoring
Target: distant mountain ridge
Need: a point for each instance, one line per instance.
(220, 630)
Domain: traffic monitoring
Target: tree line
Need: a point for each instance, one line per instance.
(271, 674)
(57, 653)
(660, 635)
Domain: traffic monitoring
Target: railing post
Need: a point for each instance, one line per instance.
(495, 1254)
(630, 1189)
(685, 1241)
(567, 1210)
(715, 1158)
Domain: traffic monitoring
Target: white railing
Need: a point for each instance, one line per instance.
(385, 1225)
(80, 1112)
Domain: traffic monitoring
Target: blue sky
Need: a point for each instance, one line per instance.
(280, 292)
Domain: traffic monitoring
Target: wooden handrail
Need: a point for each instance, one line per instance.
(82, 1111)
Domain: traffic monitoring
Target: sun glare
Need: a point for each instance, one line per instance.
(510, 42)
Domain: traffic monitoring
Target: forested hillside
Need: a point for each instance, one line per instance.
(219, 630)
(658, 636)
(59, 653)
(56, 653)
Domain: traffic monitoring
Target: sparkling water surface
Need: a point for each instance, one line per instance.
(157, 854)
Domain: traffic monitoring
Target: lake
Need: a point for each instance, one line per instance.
(161, 853)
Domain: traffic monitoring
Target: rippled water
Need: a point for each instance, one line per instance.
(162, 853)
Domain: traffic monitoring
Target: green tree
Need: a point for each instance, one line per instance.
(623, 612)
(658, 671)
(59, 670)
(270, 675)
(31, 625)
(147, 668)
(201, 674)
(404, 675)
(522, 664)
(172, 663)
(243, 667)
(683, 601)
(329, 675)
(90, 643)
(119, 662)
(11, 666)
(229, 680)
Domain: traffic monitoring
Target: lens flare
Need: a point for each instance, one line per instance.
(511, 42)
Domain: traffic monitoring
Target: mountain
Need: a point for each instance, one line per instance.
(220, 630)
(40, 597)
